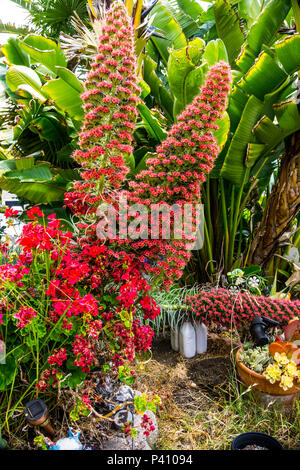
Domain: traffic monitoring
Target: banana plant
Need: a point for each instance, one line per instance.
(47, 96)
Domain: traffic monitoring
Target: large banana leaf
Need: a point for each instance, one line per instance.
(234, 164)
(191, 8)
(19, 76)
(264, 77)
(249, 10)
(187, 68)
(158, 90)
(65, 92)
(187, 23)
(186, 73)
(228, 28)
(44, 51)
(263, 32)
(36, 184)
(152, 124)
(14, 53)
(166, 25)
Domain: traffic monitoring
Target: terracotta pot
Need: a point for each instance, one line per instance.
(259, 382)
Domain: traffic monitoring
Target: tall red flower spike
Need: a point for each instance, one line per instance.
(175, 175)
(112, 92)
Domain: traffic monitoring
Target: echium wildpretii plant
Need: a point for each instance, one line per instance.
(112, 93)
(173, 177)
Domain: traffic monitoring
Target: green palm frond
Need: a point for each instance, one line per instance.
(26, 4)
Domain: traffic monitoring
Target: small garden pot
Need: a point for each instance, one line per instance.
(259, 382)
(253, 439)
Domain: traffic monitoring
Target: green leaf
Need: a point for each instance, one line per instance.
(44, 51)
(70, 78)
(214, 52)
(19, 75)
(191, 7)
(267, 132)
(38, 173)
(65, 96)
(264, 77)
(234, 166)
(14, 54)
(186, 73)
(8, 372)
(167, 26)
(77, 375)
(263, 31)
(159, 91)
(39, 192)
(228, 28)
(223, 132)
(288, 53)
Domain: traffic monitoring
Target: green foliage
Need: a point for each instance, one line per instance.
(49, 115)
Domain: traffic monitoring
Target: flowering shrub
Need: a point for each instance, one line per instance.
(66, 298)
(228, 309)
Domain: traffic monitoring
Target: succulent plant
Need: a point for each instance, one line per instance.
(257, 359)
(290, 346)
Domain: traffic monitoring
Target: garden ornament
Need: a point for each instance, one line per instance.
(66, 443)
(258, 330)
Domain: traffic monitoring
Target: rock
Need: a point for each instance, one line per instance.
(141, 438)
(124, 443)
(124, 394)
(141, 441)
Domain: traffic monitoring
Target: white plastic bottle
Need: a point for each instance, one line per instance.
(175, 338)
(201, 337)
(187, 340)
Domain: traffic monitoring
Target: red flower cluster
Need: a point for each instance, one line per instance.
(147, 424)
(58, 357)
(224, 308)
(10, 212)
(25, 316)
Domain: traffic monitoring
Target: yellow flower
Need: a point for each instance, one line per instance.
(272, 373)
(282, 358)
(286, 382)
(291, 370)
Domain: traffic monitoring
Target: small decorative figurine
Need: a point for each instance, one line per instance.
(66, 443)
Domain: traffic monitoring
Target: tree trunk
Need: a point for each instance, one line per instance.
(282, 206)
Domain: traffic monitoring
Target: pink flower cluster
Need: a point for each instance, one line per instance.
(227, 309)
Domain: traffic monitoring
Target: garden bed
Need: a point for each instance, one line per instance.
(202, 408)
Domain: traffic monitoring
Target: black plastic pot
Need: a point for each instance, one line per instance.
(255, 438)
